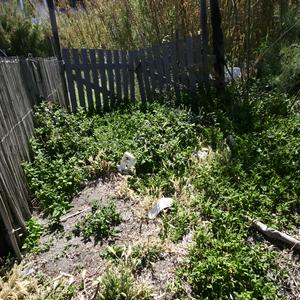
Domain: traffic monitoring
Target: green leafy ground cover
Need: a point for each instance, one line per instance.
(258, 177)
(99, 222)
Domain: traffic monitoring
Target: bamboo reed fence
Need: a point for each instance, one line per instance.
(22, 83)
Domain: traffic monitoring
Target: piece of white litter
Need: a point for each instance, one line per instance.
(233, 73)
(202, 154)
(162, 204)
(27, 271)
(127, 163)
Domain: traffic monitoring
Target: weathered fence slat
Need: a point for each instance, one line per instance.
(190, 64)
(87, 80)
(125, 74)
(158, 66)
(103, 79)
(145, 73)
(131, 75)
(79, 78)
(138, 70)
(153, 79)
(183, 64)
(175, 78)
(110, 80)
(166, 64)
(117, 68)
(95, 80)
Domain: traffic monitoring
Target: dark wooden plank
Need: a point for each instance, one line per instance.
(198, 59)
(131, 75)
(37, 75)
(190, 64)
(27, 72)
(78, 77)
(102, 68)
(145, 73)
(183, 63)
(117, 67)
(175, 77)
(153, 78)
(166, 64)
(197, 49)
(95, 80)
(110, 80)
(138, 70)
(87, 80)
(125, 74)
(158, 66)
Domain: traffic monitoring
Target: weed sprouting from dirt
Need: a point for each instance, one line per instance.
(34, 232)
(139, 256)
(99, 223)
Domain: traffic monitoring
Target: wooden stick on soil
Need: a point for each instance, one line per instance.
(276, 235)
(75, 214)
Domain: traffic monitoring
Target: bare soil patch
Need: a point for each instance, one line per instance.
(69, 254)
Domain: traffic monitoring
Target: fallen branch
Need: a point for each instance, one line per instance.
(75, 214)
(276, 235)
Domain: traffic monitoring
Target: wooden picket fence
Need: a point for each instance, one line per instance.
(100, 79)
(22, 83)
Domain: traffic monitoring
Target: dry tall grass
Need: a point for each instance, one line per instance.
(127, 23)
(137, 23)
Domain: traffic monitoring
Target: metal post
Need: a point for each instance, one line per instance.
(51, 7)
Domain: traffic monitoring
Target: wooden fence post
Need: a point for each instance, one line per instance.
(248, 37)
(218, 43)
(203, 19)
(51, 7)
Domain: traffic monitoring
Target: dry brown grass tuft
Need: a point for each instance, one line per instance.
(14, 286)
